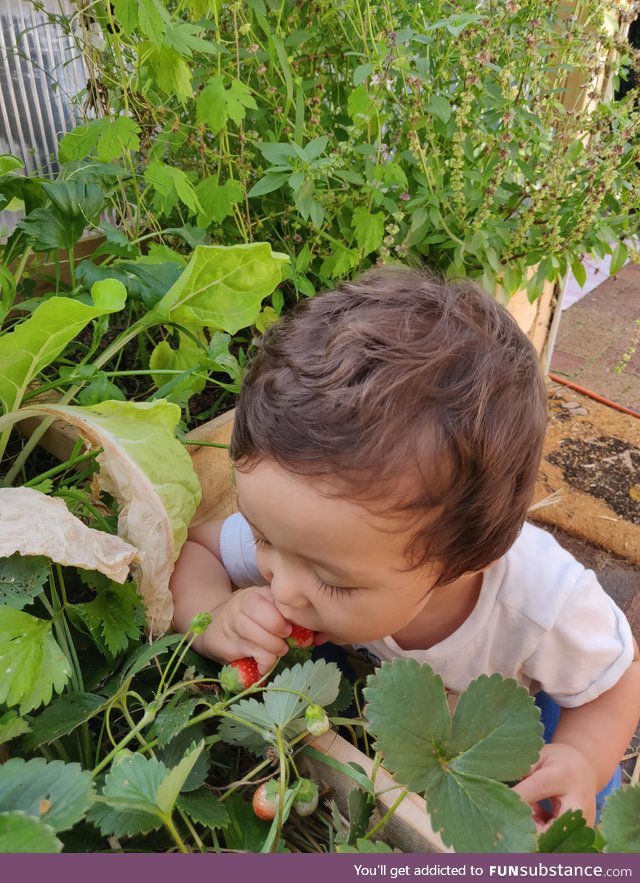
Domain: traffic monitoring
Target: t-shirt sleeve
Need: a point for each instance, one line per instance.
(587, 649)
(238, 552)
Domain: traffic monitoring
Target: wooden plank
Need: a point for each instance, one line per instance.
(213, 468)
(408, 829)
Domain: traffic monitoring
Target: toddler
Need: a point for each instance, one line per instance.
(386, 444)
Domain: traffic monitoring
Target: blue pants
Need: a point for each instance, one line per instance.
(550, 715)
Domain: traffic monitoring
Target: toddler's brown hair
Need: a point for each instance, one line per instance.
(416, 395)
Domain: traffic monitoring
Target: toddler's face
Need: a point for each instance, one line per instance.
(333, 566)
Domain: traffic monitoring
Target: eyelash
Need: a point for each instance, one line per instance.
(334, 591)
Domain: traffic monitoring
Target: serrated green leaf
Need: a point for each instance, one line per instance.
(204, 808)
(359, 102)
(12, 726)
(170, 185)
(368, 228)
(117, 138)
(475, 814)
(81, 141)
(568, 833)
(268, 183)
(20, 833)
(152, 19)
(360, 805)
(22, 578)
(317, 680)
(245, 831)
(126, 14)
(172, 719)
(496, 730)
(223, 287)
(57, 793)
(142, 656)
(61, 717)
(114, 617)
(217, 200)
(223, 98)
(187, 358)
(130, 791)
(414, 746)
(32, 665)
(169, 70)
(620, 820)
(172, 785)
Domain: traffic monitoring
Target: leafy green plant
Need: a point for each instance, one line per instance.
(477, 139)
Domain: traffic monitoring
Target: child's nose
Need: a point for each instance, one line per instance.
(285, 588)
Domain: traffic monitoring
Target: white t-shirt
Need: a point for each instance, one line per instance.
(541, 618)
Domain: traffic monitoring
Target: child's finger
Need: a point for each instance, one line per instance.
(255, 634)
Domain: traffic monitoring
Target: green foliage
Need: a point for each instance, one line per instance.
(20, 833)
(57, 793)
(22, 579)
(568, 833)
(459, 763)
(621, 820)
(114, 617)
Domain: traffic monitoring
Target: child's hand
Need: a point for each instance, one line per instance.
(248, 624)
(564, 776)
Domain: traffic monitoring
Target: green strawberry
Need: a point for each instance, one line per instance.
(316, 720)
(306, 799)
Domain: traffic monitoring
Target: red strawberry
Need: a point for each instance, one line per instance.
(306, 799)
(300, 636)
(240, 674)
(266, 800)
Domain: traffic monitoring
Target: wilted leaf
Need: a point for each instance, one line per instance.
(20, 833)
(58, 793)
(32, 523)
(148, 471)
(32, 665)
(21, 578)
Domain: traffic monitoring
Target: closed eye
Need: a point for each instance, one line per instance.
(334, 591)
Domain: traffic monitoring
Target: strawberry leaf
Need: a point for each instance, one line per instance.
(114, 617)
(568, 833)
(61, 717)
(621, 820)
(20, 833)
(130, 793)
(57, 793)
(11, 726)
(32, 665)
(204, 808)
(495, 734)
(22, 578)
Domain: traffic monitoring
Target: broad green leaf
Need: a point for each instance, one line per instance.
(99, 390)
(414, 745)
(188, 358)
(579, 271)
(35, 342)
(33, 523)
(22, 579)
(170, 185)
(368, 228)
(439, 107)
(81, 141)
(217, 200)
(152, 19)
(619, 258)
(223, 99)
(74, 205)
(172, 719)
(130, 791)
(142, 656)
(317, 681)
(169, 70)
(268, 183)
(620, 820)
(359, 102)
(203, 807)
(114, 617)
(223, 287)
(568, 833)
(172, 785)
(245, 831)
(61, 717)
(57, 793)
(119, 137)
(496, 730)
(126, 14)
(172, 755)
(11, 726)
(20, 833)
(475, 814)
(145, 282)
(32, 665)
(149, 472)
(9, 163)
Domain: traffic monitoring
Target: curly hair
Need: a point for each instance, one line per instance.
(413, 394)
